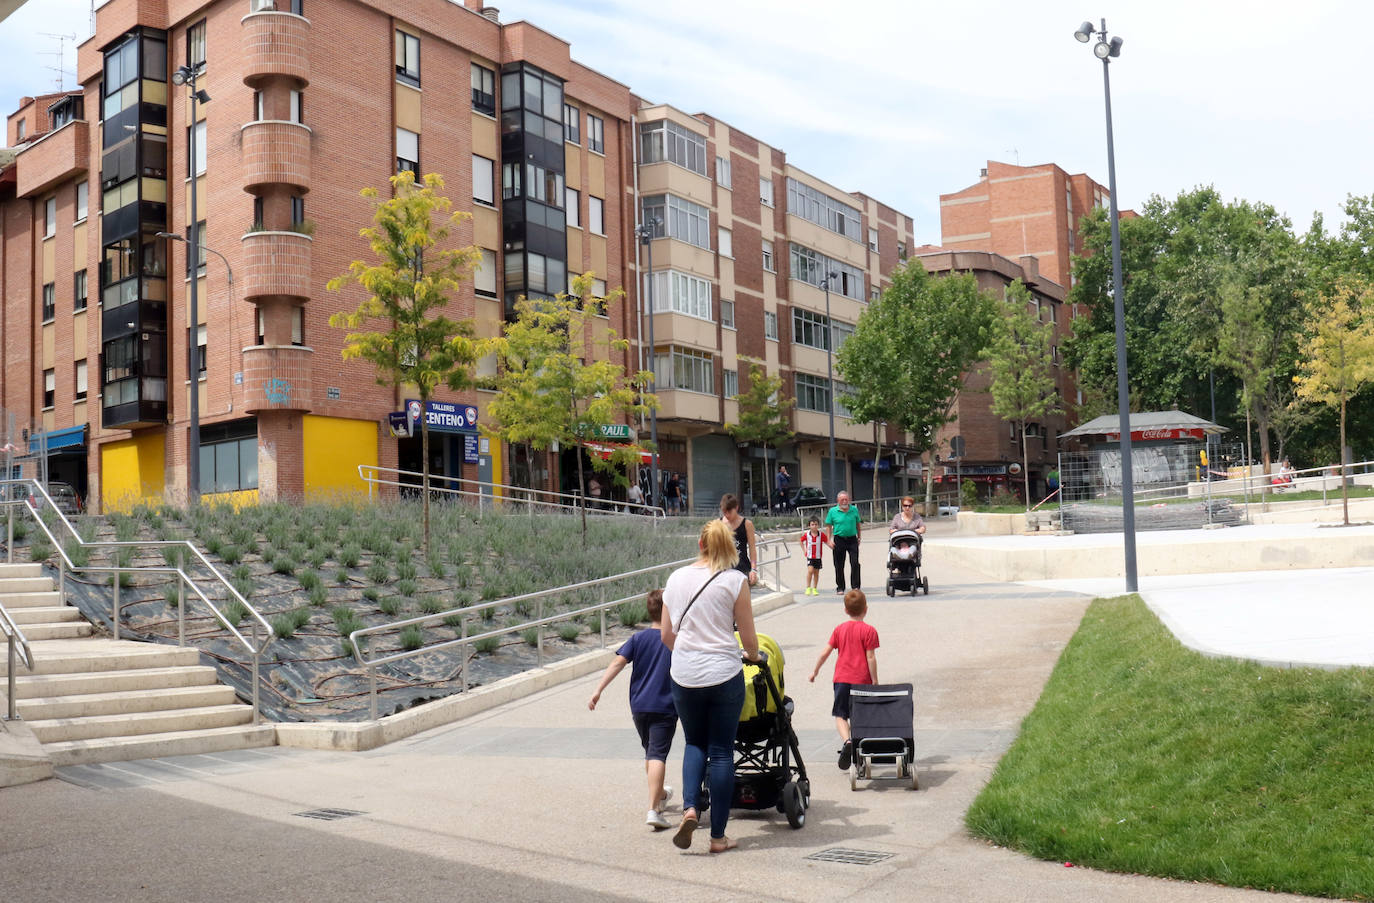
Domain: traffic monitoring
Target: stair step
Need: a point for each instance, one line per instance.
(34, 686)
(79, 656)
(25, 584)
(21, 569)
(150, 746)
(124, 702)
(14, 601)
(46, 614)
(49, 631)
(57, 730)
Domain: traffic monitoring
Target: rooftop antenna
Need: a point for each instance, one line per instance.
(61, 54)
(1017, 154)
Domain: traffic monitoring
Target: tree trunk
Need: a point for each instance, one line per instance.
(424, 469)
(1345, 490)
(876, 456)
(1025, 466)
(930, 484)
(582, 494)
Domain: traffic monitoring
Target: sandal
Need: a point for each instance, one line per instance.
(723, 844)
(683, 838)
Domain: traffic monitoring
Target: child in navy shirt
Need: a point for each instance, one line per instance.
(651, 703)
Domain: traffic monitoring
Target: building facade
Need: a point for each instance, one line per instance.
(304, 103)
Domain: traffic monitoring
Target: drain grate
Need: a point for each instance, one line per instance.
(850, 857)
(330, 814)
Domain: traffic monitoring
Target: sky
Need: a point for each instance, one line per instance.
(906, 100)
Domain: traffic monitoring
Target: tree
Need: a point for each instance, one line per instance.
(763, 413)
(911, 350)
(1023, 387)
(414, 276)
(557, 381)
(1338, 354)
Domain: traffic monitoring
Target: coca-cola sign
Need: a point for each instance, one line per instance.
(1155, 435)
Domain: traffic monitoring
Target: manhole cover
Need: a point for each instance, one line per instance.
(330, 814)
(851, 857)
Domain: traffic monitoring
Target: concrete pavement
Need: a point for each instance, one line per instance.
(540, 799)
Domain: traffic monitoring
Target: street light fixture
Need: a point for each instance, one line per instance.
(829, 371)
(1107, 49)
(645, 232)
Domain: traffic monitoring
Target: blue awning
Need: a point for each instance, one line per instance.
(59, 439)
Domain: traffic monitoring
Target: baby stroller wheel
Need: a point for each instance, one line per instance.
(853, 777)
(891, 590)
(793, 804)
(925, 585)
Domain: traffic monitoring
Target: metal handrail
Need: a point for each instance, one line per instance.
(18, 647)
(803, 511)
(508, 494)
(538, 623)
(262, 630)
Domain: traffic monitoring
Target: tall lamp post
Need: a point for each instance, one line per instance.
(187, 75)
(1107, 49)
(645, 232)
(830, 372)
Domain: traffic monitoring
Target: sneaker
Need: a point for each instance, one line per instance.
(656, 820)
(667, 795)
(846, 755)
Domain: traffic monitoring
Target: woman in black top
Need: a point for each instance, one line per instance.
(743, 528)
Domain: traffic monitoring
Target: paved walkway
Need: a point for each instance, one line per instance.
(541, 799)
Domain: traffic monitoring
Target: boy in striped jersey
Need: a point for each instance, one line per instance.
(812, 542)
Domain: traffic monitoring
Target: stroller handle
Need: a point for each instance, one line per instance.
(762, 659)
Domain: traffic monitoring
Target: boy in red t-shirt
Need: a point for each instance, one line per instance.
(857, 663)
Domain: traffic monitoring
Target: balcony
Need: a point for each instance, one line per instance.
(275, 152)
(54, 158)
(275, 43)
(276, 263)
(277, 378)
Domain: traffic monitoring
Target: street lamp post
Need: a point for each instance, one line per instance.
(1106, 49)
(829, 371)
(645, 232)
(187, 75)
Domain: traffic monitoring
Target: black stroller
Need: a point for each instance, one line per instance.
(881, 727)
(904, 563)
(768, 765)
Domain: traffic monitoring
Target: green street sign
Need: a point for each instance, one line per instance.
(618, 431)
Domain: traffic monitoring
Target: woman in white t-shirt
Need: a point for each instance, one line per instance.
(705, 603)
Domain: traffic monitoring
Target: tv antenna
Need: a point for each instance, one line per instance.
(61, 54)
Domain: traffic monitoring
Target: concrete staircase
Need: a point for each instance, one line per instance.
(89, 699)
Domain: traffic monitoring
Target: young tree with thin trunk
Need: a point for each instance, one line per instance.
(1338, 354)
(398, 327)
(763, 415)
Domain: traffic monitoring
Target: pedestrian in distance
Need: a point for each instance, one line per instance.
(846, 531)
(651, 702)
(672, 492)
(856, 664)
(812, 542)
(782, 482)
(745, 542)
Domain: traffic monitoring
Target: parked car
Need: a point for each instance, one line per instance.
(62, 495)
(807, 497)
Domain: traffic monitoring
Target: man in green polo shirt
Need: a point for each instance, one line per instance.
(843, 521)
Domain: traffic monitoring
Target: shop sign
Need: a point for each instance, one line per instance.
(442, 416)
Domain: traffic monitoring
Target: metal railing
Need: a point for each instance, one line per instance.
(871, 510)
(18, 647)
(262, 635)
(499, 496)
(780, 549)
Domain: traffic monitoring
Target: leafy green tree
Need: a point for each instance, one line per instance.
(1338, 354)
(558, 380)
(911, 351)
(764, 414)
(398, 327)
(1023, 387)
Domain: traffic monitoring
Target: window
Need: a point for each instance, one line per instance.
(685, 368)
(196, 165)
(723, 178)
(872, 239)
(49, 388)
(229, 457)
(79, 291)
(811, 267)
(727, 314)
(678, 218)
(483, 90)
(765, 191)
(407, 151)
(49, 301)
(874, 294)
(813, 393)
(484, 276)
(667, 141)
(83, 200)
(297, 326)
(297, 210)
(841, 331)
(407, 58)
(69, 109)
(200, 350)
(200, 249)
(768, 256)
(572, 124)
(21, 130)
(809, 329)
(729, 383)
(681, 293)
(724, 244)
(82, 384)
(50, 218)
(297, 106)
(544, 185)
(596, 215)
(770, 325)
(195, 45)
(483, 180)
(572, 201)
(823, 210)
(901, 250)
(291, 6)
(596, 134)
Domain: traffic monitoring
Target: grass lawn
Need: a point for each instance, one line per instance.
(1143, 756)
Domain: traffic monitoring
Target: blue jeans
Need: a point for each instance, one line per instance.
(710, 717)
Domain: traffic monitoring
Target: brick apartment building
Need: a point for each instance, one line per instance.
(308, 101)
